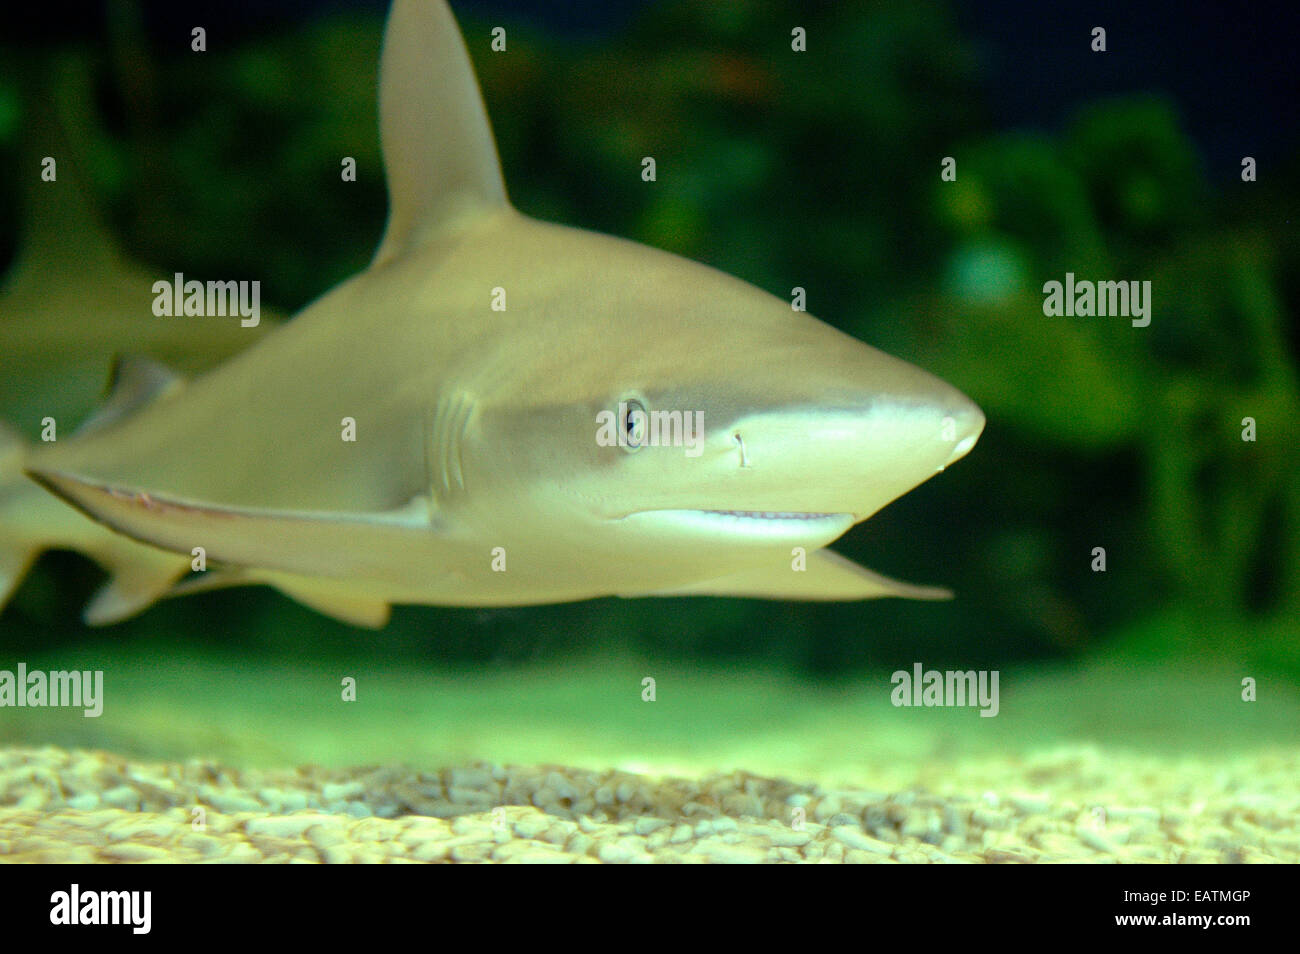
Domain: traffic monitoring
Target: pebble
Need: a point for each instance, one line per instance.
(990, 818)
(206, 846)
(523, 852)
(954, 820)
(342, 792)
(1004, 855)
(621, 851)
(122, 797)
(323, 836)
(725, 854)
(682, 834)
(531, 826)
(230, 803)
(1030, 804)
(286, 826)
(560, 832)
(336, 854)
(477, 798)
(431, 851)
(827, 807)
(1095, 840)
(788, 837)
(476, 851)
(579, 844)
(855, 857)
(469, 777)
(128, 851)
(860, 841)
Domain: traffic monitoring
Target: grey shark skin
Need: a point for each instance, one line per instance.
(69, 305)
(476, 477)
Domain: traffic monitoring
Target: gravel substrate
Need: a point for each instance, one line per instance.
(61, 806)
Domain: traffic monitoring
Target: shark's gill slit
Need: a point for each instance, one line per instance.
(449, 424)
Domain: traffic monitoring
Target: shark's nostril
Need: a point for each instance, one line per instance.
(740, 442)
(963, 447)
(958, 430)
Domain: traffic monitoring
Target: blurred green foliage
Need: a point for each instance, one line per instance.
(818, 169)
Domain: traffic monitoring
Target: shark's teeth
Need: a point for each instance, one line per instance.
(733, 528)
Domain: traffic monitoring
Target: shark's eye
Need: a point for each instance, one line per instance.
(633, 424)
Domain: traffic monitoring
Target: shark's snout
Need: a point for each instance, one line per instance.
(963, 424)
(849, 445)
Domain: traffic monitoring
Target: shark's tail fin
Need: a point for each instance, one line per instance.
(64, 239)
(33, 520)
(17, 550)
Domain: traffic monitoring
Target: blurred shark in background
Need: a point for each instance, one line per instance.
(73, 315)
(474, 359)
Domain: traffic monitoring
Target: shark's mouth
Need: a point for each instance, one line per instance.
(793, 527)
(771, 514)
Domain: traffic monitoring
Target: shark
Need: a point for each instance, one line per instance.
(75, 312)
(437, 428)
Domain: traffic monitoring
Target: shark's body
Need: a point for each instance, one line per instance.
(69, 306)
(476, 476)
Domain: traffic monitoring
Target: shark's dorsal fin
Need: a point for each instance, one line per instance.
(135, 381)
(439, 154)
(11, 442)
(62, 231)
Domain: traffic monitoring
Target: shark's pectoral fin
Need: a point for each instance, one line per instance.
(439, 154)
(331, 544)
(827, 576)
(32, 521)
(323, 598)
(355, 611)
